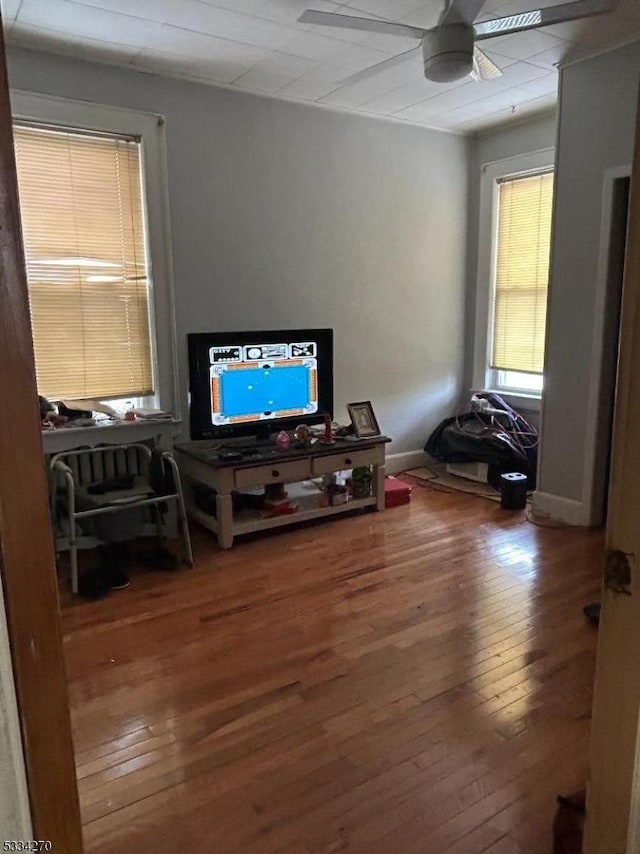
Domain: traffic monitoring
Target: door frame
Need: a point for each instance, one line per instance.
(595, 489)
(27, 560)
(614, 789)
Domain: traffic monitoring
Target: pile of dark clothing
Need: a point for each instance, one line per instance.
(491, 433)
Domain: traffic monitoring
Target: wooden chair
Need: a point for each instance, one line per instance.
(84, 485)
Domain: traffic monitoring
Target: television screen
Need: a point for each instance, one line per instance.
(255, 383)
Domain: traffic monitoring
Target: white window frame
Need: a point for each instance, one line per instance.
(513, 167)
(149, 129)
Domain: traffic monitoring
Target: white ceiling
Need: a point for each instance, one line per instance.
(258, 46)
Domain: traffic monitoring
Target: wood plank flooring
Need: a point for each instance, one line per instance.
(413, 681)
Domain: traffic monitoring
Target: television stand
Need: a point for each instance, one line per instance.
(297, 467)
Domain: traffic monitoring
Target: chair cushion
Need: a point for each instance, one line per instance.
(86, 500)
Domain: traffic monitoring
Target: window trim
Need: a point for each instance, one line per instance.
(149, 128)
(491, 173)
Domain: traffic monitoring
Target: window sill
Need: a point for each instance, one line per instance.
(520, 401)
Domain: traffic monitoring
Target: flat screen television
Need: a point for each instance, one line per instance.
(257, 383)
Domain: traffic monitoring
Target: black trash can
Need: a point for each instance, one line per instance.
(513, 491)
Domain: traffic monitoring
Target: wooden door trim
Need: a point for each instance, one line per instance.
(616, 711)
(27, 561)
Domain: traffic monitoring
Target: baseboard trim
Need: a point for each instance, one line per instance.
(555, 508)
(395, 463)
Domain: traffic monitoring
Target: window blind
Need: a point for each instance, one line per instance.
(84, 238)
(522, 272)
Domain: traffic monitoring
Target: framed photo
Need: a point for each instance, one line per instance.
(363, 420)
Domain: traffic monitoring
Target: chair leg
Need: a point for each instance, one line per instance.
(73, 552)
(182, 513)
(73, 538)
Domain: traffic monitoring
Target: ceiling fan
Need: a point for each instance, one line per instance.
(449, 50)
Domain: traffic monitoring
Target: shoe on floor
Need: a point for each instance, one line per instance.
(116, 578)
(115, 561)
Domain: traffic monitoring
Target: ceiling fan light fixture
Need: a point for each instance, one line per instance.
(448, 67)
(447, 53)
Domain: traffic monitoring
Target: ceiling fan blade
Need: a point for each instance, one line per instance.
(543, 17)
(483, 67)
(370, 25)
(461, 11)
(380, 66)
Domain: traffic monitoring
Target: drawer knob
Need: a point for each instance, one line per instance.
(275, 473)
(347, 461)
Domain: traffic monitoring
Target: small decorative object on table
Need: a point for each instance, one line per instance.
(327, 439)
(361, 479)
(338, 495)
(274, 493)
(303, 435)
(282, 440)
(333, 493)
(276, 501)
(363, 420)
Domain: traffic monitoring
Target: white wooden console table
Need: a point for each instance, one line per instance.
(200, 463)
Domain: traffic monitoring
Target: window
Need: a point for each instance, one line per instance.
(514, 254)
(94, 203)
(84, 238)
(522, 249)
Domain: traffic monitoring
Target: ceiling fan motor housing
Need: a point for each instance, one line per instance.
(447, 52)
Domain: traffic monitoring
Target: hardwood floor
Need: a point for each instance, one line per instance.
(413, 681)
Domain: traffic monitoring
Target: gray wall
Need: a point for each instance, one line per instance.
(516, 139)
(596, 133)
(288, 215)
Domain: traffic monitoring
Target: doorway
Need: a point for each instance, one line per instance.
(615, 221)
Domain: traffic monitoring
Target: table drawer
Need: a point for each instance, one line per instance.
(273, 473)
(348, 460)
